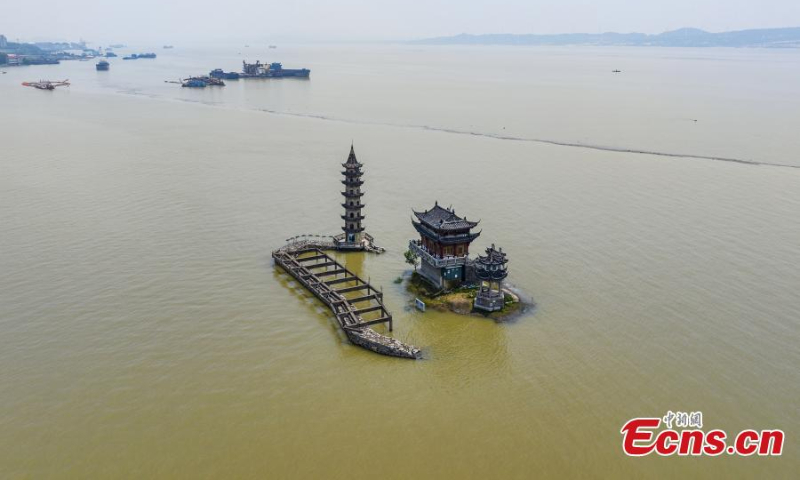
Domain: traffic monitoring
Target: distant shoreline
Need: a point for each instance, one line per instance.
(684, 37)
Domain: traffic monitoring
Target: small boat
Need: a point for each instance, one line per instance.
(102, 66)
(273, 46)
(110, 54)
(616, 71)
(193, 83)
(167, 47)
(46, 84)
(207, 81)
(136, 56)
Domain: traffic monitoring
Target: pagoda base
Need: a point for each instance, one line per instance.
(366, 243)
(489, 300)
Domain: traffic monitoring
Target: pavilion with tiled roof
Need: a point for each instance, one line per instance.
(443, 233)
(443, 246)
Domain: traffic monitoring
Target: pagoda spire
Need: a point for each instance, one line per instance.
(351, 158)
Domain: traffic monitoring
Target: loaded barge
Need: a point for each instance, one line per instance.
(261, 70)
(137, 56)
(219, 73)
(202, 82)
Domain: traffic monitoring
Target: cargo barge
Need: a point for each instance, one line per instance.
(219, 73)
(202, 82)
(136, 56)
(261, 70)
(273, 70)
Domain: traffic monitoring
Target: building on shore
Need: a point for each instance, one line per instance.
(443, 247)
(490, 271)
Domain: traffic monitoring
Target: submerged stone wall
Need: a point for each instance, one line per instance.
(345, 312)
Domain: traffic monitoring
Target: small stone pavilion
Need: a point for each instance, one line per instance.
(490, 271)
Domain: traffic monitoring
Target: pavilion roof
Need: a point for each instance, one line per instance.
(493, 257)
(441, 218)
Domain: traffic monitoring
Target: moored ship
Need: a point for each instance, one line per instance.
(46, 84)
(200, 82)
(193, 83)
(102, 66)
(273, 70)
(136, 56)
(219, 73)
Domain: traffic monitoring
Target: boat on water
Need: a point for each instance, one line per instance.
(272, 70)
(102, 66)
(214, 82)
(273, 46)
(200, 82)
(137, 56)
(167, 47)
(194, 83)
(110, 54)
(219, 73)
(46, 84)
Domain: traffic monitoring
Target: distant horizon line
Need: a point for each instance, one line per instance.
(750, 29)
(781, 37)
(411, 39)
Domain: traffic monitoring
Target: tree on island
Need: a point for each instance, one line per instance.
(411, 258)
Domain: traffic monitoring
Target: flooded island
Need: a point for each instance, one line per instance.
(447, 279)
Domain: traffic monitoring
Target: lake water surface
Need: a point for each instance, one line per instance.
(144, 331)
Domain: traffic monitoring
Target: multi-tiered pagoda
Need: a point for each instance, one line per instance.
(354, 237)
(490, 271)
(443, 247)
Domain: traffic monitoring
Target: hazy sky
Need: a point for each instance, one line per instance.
(173, 21)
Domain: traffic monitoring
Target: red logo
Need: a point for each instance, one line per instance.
(641, 436)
